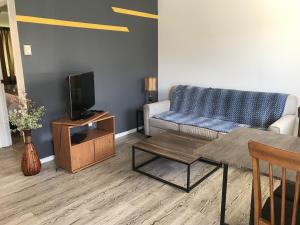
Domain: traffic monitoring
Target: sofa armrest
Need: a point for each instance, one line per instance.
(153, 109)
(285, 125)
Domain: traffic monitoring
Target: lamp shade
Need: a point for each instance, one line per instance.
(150, 83)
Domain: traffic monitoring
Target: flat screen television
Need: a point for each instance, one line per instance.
(81, 95)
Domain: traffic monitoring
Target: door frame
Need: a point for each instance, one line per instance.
(5, 139)
(12, 17)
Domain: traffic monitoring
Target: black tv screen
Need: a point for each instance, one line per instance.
(81, 94)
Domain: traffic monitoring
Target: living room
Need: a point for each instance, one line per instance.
(183, 100)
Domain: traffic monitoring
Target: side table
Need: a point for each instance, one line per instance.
(140, 120)
(299, 122)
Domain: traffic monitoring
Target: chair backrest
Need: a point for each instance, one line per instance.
(286, 160)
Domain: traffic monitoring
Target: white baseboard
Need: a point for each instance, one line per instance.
(47, 159)
(125, 133)
(52, 157)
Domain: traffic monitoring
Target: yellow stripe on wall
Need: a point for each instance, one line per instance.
(66, 23)
(134, 13)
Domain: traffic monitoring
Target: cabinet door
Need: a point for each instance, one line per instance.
(82, 155)
(104, 147)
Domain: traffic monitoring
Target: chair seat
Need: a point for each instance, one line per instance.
(290, 188)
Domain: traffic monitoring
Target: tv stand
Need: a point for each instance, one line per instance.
(85, 115)
(98, 145)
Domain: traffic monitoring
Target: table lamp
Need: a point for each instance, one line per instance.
(150, 88)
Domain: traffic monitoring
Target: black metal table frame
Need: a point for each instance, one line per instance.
(224, 195)
(188, 187)
(139, 127)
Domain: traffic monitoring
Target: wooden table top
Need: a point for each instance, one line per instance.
(232, 149)
(174, 145)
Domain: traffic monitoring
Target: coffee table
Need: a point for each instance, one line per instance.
(177, 147)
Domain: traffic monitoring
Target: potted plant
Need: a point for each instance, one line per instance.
(25, 118)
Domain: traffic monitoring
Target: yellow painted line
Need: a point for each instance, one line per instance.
(134, 13)
(66, 23)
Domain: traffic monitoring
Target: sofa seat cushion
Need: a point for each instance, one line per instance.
(199, 132)
(203, 122)
(163, 124)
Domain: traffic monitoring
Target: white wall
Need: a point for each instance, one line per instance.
(240, 44)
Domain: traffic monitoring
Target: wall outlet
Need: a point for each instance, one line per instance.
(27, 50)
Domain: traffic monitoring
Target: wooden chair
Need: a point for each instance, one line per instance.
(286, 161)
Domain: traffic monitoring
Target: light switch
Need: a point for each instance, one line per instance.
(27, 50)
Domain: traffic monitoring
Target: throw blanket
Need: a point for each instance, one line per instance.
(223, 110)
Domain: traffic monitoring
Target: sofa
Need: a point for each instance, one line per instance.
(209, 113)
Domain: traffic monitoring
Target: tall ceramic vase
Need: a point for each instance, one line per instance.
(31, 164)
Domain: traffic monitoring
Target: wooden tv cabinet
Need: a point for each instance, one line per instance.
(98, 145)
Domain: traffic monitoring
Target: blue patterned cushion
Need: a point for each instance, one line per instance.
(217, 108)
(195, 120)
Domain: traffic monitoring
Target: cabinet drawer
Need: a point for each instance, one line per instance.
(82, 155)
(104, 147)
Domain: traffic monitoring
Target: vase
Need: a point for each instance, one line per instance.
(31, 164)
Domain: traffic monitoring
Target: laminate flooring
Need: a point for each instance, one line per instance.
(111, 193)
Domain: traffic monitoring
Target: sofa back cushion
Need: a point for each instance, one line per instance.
(257, 109)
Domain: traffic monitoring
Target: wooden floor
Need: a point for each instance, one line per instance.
(110, 193)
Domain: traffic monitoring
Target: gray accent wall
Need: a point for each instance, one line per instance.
(119, 60)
